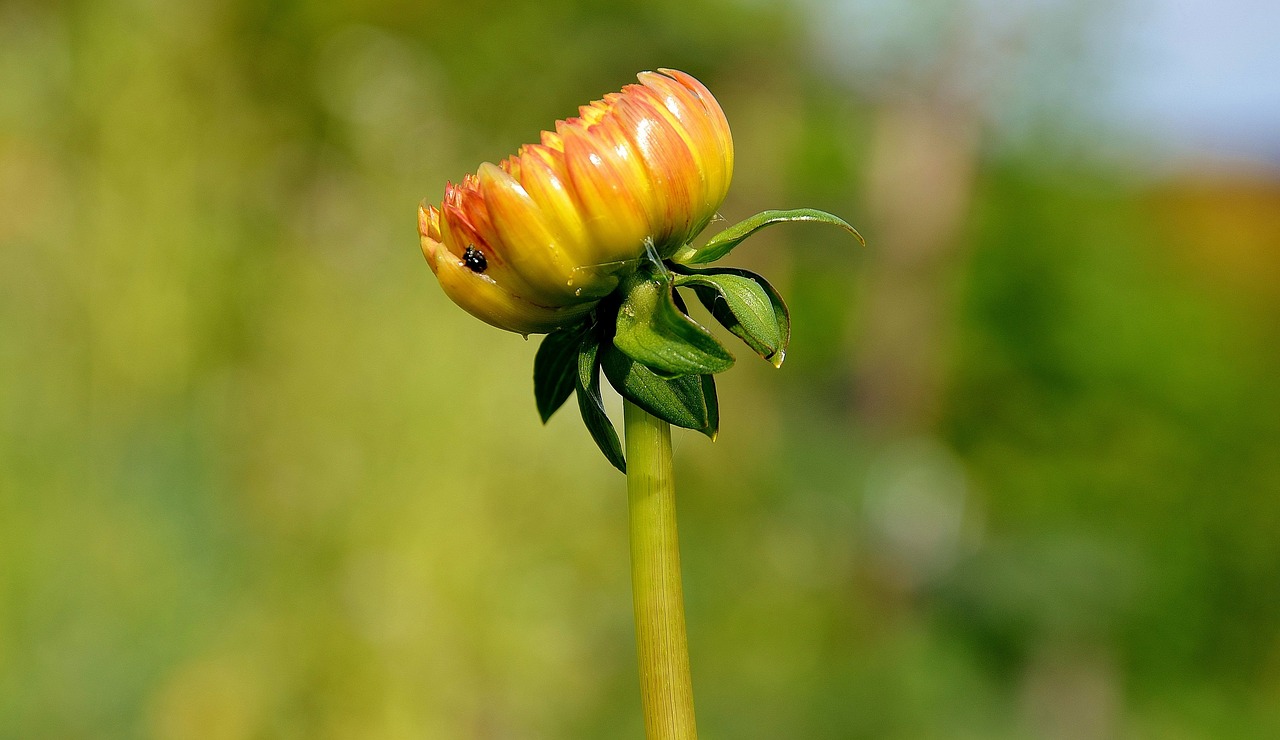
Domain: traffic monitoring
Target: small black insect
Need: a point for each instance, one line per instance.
(474, 259)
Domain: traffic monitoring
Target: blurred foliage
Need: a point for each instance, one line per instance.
(258, 478)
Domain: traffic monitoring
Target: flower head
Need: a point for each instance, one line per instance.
(533, 244)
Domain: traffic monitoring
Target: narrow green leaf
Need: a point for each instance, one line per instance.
(724, 242)
(746, 304)
(712, 428)
(555, 369)
(677, 401)
(652, 331)
(592, 405)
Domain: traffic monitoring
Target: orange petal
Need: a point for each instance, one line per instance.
(603, 186)
(533, 247)
(511, 166)
(488, 301)
(465, 223)
(687, 116)
(719, 123)
(428, 221)
(594, 112)
(678, 185)
(627, 162)
(552, 140)
(547, 182)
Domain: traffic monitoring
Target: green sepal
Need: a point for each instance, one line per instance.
(592, 405)
(654, 332)
(555, 369)
(746, 304)
(712, 429)
(679, 401)
(724, 242)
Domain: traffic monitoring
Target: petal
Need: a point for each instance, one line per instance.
(594, 112)
(465, 222)
(428, 221)
(483, 298)
(547, 182)
(552, 140)
(687, 116)
(615, 217)
(689, 132)
(533, 248)
(677, 183)
(719, 123)
(429, 237)
(544, 177)
(511, 166)
(686, 130)
(632, 172)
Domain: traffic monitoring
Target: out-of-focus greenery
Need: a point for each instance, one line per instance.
(258, 478)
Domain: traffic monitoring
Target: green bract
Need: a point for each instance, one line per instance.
(649, 348)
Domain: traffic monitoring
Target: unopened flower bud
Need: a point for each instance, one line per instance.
(533, 244)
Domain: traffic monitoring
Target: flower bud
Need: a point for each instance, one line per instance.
(534, 243)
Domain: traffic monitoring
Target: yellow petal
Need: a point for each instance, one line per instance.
(465, 223)
(630, 166)
(592, 114)
(720, 124)
(430, 237)
(544, 177)
(552, 140)
(533, 247)
(616, 218)
(428, 221)
(511, 166)
(678, 186)
(687, 116)
(483, 298)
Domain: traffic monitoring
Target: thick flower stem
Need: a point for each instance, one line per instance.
(666, 687)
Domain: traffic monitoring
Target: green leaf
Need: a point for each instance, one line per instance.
(746, 304)
(592, 406)
(712, 429)
(724, 242)
(555, 369)
(678, 401)
(652, 331)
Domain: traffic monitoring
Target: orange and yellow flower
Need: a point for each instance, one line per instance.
(533, 244)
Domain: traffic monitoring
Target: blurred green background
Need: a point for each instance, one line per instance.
(259, 479)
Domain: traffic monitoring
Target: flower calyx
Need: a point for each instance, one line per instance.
(652, 352)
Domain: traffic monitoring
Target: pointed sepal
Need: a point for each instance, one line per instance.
(712, 429)
(724, 242)
(653, 331)
(746, 304)
(680, 401)
(592, 405)
(555, 369)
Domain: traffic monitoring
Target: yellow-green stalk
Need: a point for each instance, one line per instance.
(666, 685)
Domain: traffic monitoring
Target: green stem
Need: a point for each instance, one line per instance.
(666, 687)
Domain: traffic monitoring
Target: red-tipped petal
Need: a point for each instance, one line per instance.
(615, 217)
(533, 247)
